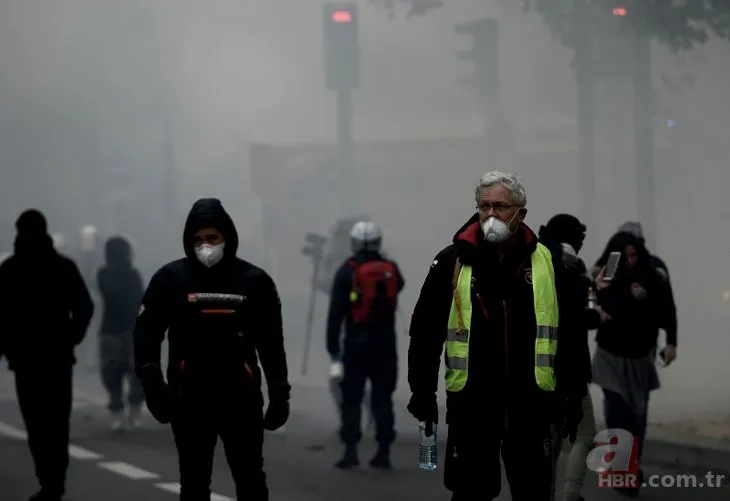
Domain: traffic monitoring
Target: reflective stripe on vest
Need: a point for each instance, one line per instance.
(545, 303)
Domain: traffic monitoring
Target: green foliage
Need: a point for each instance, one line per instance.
(679, 25)
(415, 8)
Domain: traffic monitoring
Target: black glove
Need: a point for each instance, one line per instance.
(572, 415)
(157, 394)
(423, 407)
(277, 413)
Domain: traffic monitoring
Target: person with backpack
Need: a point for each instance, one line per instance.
(365, 297)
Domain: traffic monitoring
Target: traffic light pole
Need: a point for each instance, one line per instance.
(644, 137)
(345, 149)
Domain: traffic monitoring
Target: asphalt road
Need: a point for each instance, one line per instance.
(141, 464)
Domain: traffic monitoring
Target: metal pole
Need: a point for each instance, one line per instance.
(345, 150)
(644, 137)
(586, 81)
(310, 314)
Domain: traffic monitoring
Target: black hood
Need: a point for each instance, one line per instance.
(563, 229)
(118, 252)
(32, 240)
(209, 213)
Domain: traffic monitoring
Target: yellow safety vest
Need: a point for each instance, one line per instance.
(546, 315)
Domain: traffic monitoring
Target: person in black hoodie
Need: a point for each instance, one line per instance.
(46, 291)
(121, 289)
(504, 389)
(222, 316)
(637, 303)
(564, 235)
(365, 297)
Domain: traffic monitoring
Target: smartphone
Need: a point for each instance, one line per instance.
(611, 266)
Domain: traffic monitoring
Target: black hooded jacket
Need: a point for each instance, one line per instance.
(564, 229)
(502, 345)
(634, 327)
(221, 320)
(120, 285)
(43, 292)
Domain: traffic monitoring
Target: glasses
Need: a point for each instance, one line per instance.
(499, 208)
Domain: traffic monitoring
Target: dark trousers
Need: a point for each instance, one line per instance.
(44, 396)
(472, 469)
(381, 368)
(619, 414)
(117, 364)
(196, 428)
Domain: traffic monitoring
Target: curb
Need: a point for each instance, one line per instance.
(702, 453)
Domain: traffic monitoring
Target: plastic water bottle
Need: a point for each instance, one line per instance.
(427, 451)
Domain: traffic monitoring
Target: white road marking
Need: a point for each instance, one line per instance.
(82, 454)
(128, 470)
(174, 488)
(12, 431)
(74, 451)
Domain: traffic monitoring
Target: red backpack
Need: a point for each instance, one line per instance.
(374, 295)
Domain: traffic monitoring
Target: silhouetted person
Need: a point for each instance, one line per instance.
(121, 289)
(44, 292)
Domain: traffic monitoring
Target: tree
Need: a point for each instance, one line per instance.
(678, 25)
(416, 8)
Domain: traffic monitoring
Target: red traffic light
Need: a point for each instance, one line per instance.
(342, 16)
(620, 11)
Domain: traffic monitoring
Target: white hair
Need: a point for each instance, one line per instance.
(510, 181)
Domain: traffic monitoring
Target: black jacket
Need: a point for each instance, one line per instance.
(502, 346)
(340, 310)
(576, 282)
(44, 295)
(669, 321)
(634, 327)
(121, 288)
(221, 321)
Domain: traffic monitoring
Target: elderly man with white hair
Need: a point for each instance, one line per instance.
(492, 302)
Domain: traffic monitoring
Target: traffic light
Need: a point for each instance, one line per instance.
(341, 46)
(484, 54)
(315, 243)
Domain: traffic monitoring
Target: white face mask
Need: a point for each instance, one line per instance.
(495, 230)
(210, 255)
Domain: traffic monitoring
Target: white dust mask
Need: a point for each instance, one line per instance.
(495, 230)
(210, 255)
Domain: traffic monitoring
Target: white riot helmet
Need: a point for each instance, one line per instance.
(365, 236)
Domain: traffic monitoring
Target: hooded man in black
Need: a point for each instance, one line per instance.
(46, 291)
(120, 285)
(222, 315)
